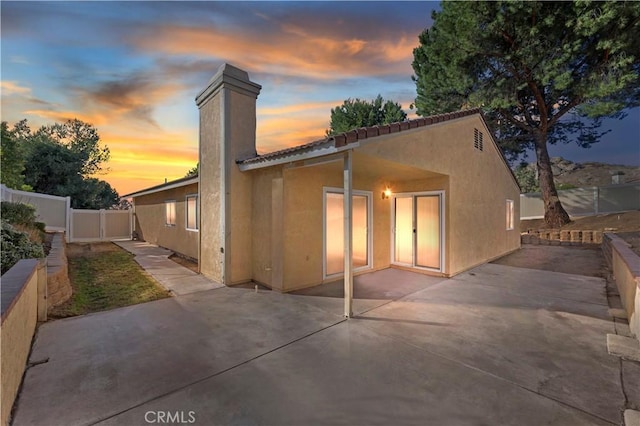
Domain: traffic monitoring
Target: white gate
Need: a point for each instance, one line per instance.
(100, 225)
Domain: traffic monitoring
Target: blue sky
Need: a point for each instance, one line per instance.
(133, 70)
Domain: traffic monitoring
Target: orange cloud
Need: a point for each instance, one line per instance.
(12, 88)
(293, 51)
(62, 116)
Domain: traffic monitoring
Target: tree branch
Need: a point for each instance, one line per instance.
(576, 101)
(506, 115)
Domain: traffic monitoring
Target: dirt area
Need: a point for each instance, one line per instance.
(616, 222)
(84, 249)
(187, 263)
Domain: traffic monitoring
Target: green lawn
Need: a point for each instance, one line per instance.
(103, 277)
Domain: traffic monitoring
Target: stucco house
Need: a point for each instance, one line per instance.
(433, 195)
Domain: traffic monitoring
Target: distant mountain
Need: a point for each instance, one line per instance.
(566, 172)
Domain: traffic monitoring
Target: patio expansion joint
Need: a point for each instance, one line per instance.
(210, 376)
(488, 373)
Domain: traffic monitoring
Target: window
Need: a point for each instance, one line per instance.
(334, 230)
(192, 212)
(170, 213)
(510, 218)
(477, 140)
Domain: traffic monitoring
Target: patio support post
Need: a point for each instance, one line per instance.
(348, 226)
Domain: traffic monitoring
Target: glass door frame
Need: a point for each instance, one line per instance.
(441, 212)
(369, 197)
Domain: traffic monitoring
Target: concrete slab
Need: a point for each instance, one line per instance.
(496, 345)
(618, 313)
(543, 339)
(370, 290)
(172, 276)
(387, 284)
(143, 248)
(348, 374)
(625, 347)
(631, 418)
(578, 260)
(104, 363)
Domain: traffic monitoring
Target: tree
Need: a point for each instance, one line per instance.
(353, 114)
(12, 159)
(193, 171)
(81, 139)
(526, 178)
(61, 159)
(543, 72)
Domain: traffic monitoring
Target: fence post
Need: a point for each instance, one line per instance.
(596, 198)
(70, 236)
(68, 219)
(102, 225)
(131, 224)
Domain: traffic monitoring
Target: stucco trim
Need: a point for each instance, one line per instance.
(164, 187)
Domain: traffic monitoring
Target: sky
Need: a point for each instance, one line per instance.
(133, 69)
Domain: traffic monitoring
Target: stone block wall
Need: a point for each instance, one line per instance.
(556, 237)
(58, 284)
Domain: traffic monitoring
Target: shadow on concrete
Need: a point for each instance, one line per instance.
(387, 284)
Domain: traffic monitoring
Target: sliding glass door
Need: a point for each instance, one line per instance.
(417, 229)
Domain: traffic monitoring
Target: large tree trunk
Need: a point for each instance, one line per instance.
(554, 214)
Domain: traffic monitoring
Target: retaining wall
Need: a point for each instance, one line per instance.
(58, 284)
(625, 265)
(561, 238)
(23, 290)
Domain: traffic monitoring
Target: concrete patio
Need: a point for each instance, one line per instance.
(496, 345)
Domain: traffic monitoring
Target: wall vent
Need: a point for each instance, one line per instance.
(477, 140)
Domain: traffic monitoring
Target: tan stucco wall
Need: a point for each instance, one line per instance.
(211, 258)
(242, 132)
(476, 185)
(266, 249)
(16, 333)
(479, 185)
(151, 226)
(303, 221)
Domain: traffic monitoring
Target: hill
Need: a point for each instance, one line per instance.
(567, 173)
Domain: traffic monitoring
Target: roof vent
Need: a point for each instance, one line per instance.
(477, 140)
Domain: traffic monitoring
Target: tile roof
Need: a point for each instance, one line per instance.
(343, 139)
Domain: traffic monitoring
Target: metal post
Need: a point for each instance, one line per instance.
(348, 226)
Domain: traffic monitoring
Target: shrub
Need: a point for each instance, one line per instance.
(19, 214)
(16, 245)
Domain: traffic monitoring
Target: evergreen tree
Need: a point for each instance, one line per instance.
(544, 72)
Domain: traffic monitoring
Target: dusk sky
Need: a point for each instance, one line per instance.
(133, 69)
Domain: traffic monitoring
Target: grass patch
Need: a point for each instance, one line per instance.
(105, 279)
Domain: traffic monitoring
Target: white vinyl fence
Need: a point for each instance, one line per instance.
(50, 209)
(586, 201)
(79, 225)
(100, 225)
